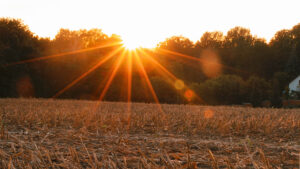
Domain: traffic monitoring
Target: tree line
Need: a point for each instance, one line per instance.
(219, 69)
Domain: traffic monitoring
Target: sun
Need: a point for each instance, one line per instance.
(132, 40)
(131, 43)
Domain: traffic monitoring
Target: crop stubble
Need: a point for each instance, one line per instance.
(41, 133)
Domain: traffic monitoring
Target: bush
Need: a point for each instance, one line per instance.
(225, 89)
(257, 90)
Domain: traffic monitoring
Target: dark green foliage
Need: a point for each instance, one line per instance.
(292, 65)
(166, 92)
(225, 89)
(257, 90)
(17, 43)
(278, 84)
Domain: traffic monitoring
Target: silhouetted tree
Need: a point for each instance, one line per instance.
(178, 44)
(210, 40)
(17, 43)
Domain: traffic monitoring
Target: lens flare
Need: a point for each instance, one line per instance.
(189, 95)
(179, 84)
(210, 64)
(24, 87)
(208, 113)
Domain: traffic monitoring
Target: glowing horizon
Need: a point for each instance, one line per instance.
(146, 23)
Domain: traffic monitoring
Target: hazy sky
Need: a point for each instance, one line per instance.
(146, 22)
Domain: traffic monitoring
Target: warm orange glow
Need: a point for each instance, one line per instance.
(129, 54)
(106, 58)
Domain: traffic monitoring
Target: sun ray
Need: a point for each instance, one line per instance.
(144, 73)
(63, 54)
(129, 79)
(166, 73)
(200, 60)
(106, 58)
(112, 76)
(172, 76)
(129, 87)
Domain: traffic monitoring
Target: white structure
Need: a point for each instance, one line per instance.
(295, 84)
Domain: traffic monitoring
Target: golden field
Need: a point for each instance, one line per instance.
(45, 133)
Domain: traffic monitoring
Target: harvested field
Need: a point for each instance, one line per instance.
(41, 133)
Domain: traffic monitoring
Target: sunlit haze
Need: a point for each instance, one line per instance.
(145, 23)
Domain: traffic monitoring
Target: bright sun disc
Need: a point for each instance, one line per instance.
(131, 44)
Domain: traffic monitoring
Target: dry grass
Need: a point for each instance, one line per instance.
(38, 133)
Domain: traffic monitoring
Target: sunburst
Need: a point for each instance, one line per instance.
(129, 52)
(131, 44)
